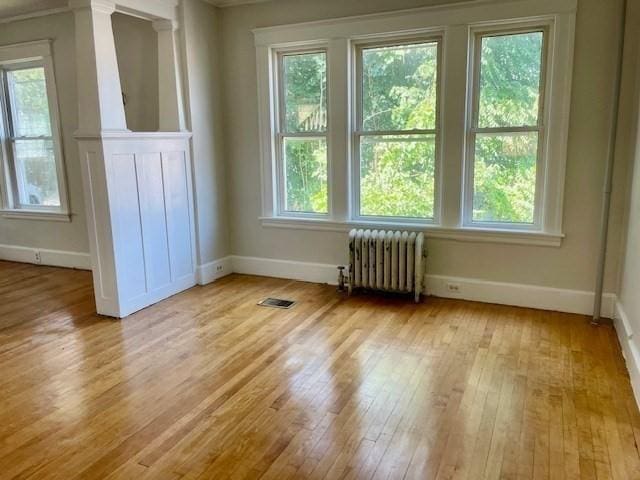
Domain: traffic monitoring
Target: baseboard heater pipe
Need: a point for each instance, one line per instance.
(608, 173)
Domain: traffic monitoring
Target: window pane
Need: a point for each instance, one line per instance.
(29, 106)
(399, 87)
(305, 170)
(397, 176)
(510, 80)
(36, 172)
(305, 92)
(505, 178)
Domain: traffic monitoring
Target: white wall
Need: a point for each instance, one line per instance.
(202, 48)
(65, 236)
(569, 267)
(137, 49)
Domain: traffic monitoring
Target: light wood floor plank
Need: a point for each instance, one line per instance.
(208, 385)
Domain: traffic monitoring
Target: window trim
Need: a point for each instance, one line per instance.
(473, 130)
(280, 135)
(456, 21)
(358, 131)
(13, 57)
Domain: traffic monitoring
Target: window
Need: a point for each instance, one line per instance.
(397, 136)
(30, 143)
(302, 132)
(507, 130)
(450, 119)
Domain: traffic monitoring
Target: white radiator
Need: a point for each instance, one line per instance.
(386, 260)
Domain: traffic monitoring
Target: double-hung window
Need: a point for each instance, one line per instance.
(396, 140)
(449, 119)
(301, 137)
(30, 150)
(507, 132)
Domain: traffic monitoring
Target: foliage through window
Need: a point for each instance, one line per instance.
(507, 127)
(28, 138)
(397, 136)
(454, 120)
(303, 132)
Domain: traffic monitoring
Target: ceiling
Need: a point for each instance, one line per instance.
(13, 8)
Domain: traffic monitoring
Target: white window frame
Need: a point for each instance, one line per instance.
(458, 24)
(473, 130)
(358, 132)
(280, 134)
(15, 57)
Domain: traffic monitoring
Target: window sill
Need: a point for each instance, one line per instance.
(36, 215)
(465, 234)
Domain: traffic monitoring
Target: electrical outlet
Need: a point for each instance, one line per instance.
(219, 268)
(453, 287)
(38, 258)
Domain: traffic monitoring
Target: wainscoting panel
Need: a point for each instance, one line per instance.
(146, 230)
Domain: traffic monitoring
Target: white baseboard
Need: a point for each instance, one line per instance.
(210, 272)
(630, 350)
(270, 267)
(531, 296)
(54, 258)
(520, 295)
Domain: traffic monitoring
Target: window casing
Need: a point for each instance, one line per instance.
(32, 167)
(458, 32)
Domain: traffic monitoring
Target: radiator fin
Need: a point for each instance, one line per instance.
(386, 260)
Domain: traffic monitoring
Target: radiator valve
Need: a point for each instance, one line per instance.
(341, 278)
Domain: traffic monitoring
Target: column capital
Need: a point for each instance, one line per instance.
(164, 24)
(102, 6)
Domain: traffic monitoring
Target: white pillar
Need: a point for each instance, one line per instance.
(100, 107)
(100, 112)
(169, 81)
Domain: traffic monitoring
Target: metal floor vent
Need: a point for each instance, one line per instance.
(276, 303)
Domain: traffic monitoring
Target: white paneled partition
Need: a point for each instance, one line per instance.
(137, 185)
(140, 217)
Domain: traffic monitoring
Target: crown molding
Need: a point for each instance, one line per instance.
(233, 3)
(36, 14)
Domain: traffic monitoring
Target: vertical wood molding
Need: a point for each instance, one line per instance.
(100, 106)
(171, 107)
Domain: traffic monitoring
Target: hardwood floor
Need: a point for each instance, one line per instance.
(207, 385)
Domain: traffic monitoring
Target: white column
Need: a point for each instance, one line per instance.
(169, 81)
(100, 107)
(100, 112)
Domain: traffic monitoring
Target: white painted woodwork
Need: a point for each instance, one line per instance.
(137, 186)
(454, 24)
(169, 87)
(140, 218)
(100, 106)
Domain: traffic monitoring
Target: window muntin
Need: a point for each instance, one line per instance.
(302, 133)
(29, 145)
(507, 129)
(397, 136)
